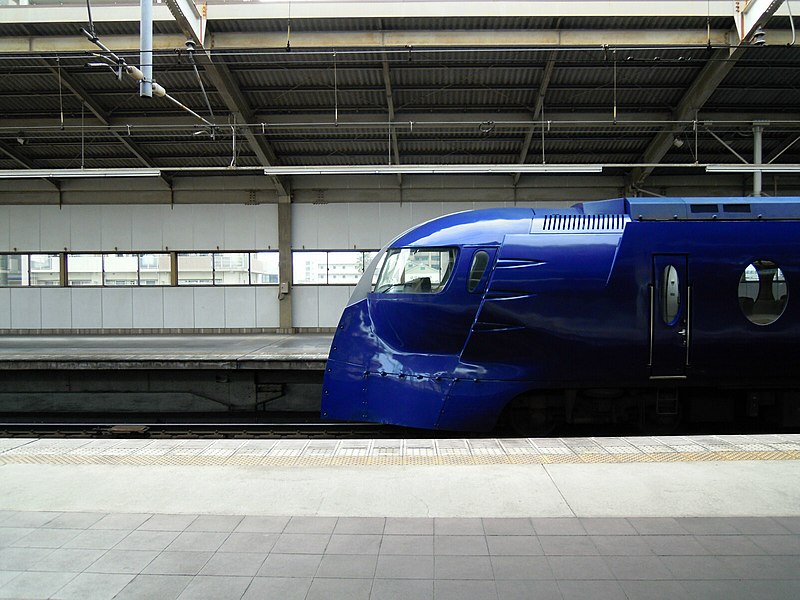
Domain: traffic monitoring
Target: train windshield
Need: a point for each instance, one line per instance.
(415, 270)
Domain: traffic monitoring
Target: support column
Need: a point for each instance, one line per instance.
(285, 263)
(758, 129)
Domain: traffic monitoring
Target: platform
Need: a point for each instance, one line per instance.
(88, 352)
(656, 517)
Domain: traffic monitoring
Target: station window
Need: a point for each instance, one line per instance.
(415, 270)
(762, 292)
(335, 267)
(263, 268)
(118, 269)
(25, 270)
(227, 268)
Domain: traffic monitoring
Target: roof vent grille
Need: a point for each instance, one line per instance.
(583, 222)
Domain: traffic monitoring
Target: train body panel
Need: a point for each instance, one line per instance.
(471, 310)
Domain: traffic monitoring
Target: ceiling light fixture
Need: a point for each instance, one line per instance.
(795, 168)
(429, 169)
(72, 173)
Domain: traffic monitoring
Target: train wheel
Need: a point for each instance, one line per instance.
(532, 415)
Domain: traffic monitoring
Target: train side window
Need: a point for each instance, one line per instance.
(415, 270)
(479, 263)
(670, 295)
(762, 292)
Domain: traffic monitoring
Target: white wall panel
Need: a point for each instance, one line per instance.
(208, 226)
(24, 228)
(266, 220)
(117, 223)
(5, 228)
(239, 227)
(332, 300)
(85, 228)
(147, 227)
(333, 221)
(425, 211)
(305, 226)
(56, 308)
(177, 228)
(240, 306)
(178, 308)
(54, 228)
(117, 308)
(87, 308)
(209, 307)
(364, 230)
(267, 309)
(26, 308)
(148, 308)
(305, 306)
(5, 308)
(395, 219)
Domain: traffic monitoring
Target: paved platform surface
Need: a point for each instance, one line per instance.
(165, 351)
(668, 517)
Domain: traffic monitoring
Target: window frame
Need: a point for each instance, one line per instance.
(366, 258)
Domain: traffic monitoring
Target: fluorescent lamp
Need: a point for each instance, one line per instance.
(753, 168)
(64, 173)
(429, 169)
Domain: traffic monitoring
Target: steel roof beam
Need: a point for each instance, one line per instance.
(536, 112)
(387, 84)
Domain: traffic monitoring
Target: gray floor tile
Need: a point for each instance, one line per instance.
(657, 526)
(404, 567)
(8, 535)
(558, 526)
(6, 576)
(77, 520)
(4, 514)
(35, 585)
(154, 587)
(167, 523)
(347, 566)
(654, 590)
(777, 544)
(310, 525)
(121, 521)
(514, 545)
(407, 544)
(198, 541)
(249, 542)
(408, 526)
(758, 526)
(147, 540)
(596, 590)
(402, 589)
(521, 567)
(718, 590)
(212, 587)
(621, 545)
(579, 567)
(607, 526)
(178, 563)
(301, 543)
(697, 567)
(45, 537)
(290, 565)
(464, 590)
(674, 545)
(93, 586)
(278, 588)
(353, 544)
(123, 561)
(773, 590)
(528, 590)
(647, 568)
(217, 523)
(345, 589)
(239, 564)
(707, 525)
(462, 567)
(790, 523)
(567, 545)
(70, 560)
(460, 545)
(21, 559)
(457, 526)
(262, 525)
(30, 519)
(508, 526)
(101, 539)
(731, 545)
(763, 567)
(360, 525)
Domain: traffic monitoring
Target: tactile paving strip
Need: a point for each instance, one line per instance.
(318, 453)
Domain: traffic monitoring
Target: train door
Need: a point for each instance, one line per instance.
(670, 312)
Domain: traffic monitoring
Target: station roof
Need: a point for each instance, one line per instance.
(623, 86)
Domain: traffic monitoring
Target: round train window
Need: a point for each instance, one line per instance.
(762, 292)
(671, 295)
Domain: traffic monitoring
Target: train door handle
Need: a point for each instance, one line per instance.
(682, 332)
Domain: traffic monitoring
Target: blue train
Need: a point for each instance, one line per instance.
(626, 309)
